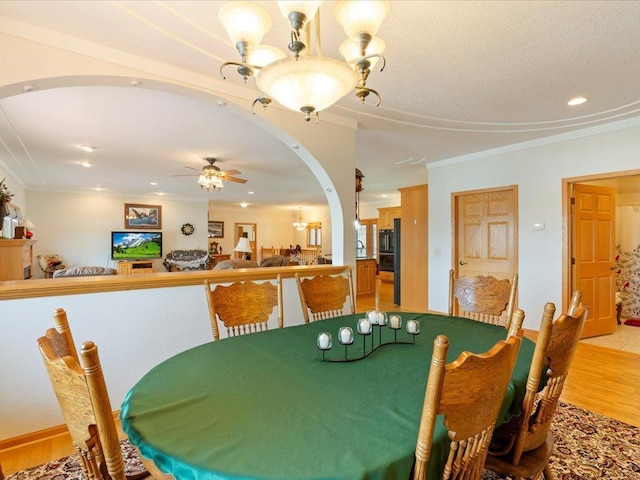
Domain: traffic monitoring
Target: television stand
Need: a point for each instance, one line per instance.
(137, 266)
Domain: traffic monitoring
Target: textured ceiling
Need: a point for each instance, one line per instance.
(461, 77)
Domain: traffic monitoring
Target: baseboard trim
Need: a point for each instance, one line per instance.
(33, 437)
(43, 434)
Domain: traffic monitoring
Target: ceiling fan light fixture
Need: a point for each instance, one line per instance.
(210, 181)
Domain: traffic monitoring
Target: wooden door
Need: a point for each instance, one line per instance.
(593, 255)
(485, 233)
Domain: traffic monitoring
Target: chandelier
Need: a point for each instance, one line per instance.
(306, 82)
(209, 180)
(300, 225)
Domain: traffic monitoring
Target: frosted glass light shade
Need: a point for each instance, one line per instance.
(263, 55)
(244, 21)
(310, 81)
(309, 9)
(210, 182)
(357, 16)
(350, 51)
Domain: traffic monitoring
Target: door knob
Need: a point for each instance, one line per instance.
(462, 263)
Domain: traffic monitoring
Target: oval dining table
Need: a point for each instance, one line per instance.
(266, 405)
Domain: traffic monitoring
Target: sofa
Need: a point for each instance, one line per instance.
(183, 260)
(235, 263)
(84, 272)
(275, 261)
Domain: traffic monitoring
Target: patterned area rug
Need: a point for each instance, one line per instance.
(588, 446)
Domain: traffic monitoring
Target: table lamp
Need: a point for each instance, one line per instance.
(243, 246)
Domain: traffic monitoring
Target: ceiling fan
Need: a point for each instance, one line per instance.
(210, 177)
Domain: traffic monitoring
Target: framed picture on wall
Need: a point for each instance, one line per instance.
(138, 216)
(216, 229)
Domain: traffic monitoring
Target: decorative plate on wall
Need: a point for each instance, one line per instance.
(187, 229)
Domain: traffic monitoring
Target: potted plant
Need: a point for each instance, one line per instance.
(5, 197)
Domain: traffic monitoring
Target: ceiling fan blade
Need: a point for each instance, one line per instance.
(234, 179)
(230, 172)
(185, 175)
(191, 168)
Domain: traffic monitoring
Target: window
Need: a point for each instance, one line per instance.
(314, 234)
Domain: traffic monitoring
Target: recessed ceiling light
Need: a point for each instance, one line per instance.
(87, 148)
(244, 204)
(86, 164)
(153, 183)
(250, 193)
(160, 194)
(577, 101)
(98, 189)
(383, 195)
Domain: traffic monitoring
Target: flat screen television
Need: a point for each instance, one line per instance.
(136, 245)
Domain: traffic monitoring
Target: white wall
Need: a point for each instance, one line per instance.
(134, 331)
(274, 227)
(78, 227)
(538, 171)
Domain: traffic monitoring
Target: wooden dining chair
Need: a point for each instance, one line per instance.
(243, 307)
(469, 393)
(522, 447)
(84, 401)
(483, 298)
(324, 296)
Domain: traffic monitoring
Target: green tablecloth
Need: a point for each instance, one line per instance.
(264, 406)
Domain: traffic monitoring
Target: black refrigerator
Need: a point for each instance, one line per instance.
(396, 261)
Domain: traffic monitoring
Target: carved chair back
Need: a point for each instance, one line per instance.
(324, 296)
(555, 347)
(243, 307)
(84, 401)
(469, 393)
(483, 298)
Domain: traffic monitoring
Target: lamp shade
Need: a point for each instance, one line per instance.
(244, 21)
(309, 9)
(361, 16)
(310, 81)
(243, 245)
(263, 55)
(27, 224)
(350, 50)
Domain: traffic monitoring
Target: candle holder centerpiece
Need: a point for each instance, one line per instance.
(366, 327)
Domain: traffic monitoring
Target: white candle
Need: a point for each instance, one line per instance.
(373, 317)
(413, 327)
(346, 335)
(395, 322)
(324, 340)
(382, 319)
(364, 326)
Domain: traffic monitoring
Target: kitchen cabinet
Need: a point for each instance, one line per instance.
(365, 277)
(386, 216)
(414, 249)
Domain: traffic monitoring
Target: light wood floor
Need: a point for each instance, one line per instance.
(602, 380)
